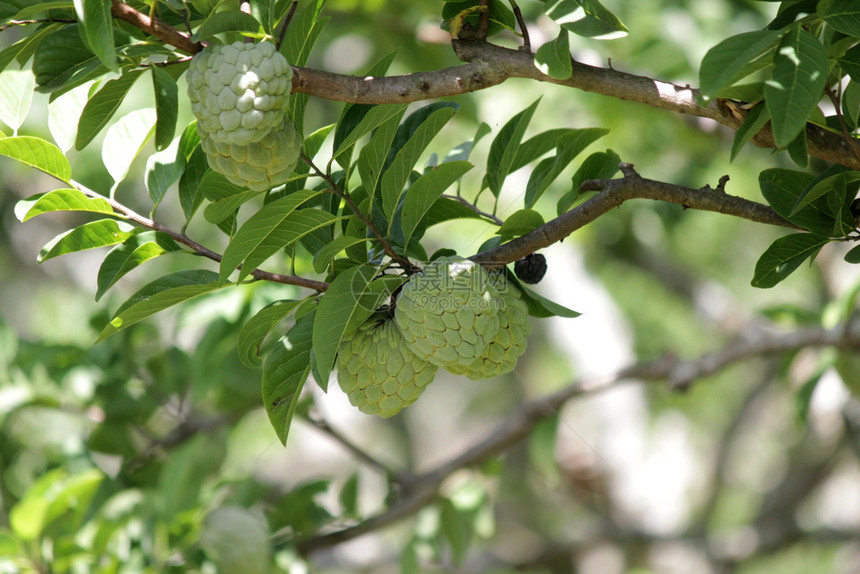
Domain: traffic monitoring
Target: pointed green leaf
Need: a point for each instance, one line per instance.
(823, 187)
(754, 121)
(90, 235)
(160, 294)
(163, 169)
(853, 255)
(799, 74)
(102, 106)
(588, 18)
(599, 165)
(227, 21)
(97, 22)
(37, 153)
(60, 57)
(64, 113)
(285, 370)
(784, 256)
(843, 15)
(166, 107)
(60, 200)
(346, 304)
(226, 197)
(372, 157)
(124, 141)
(424, 192)
(520, 223)
(782, 188)
(325, 255)
(553, 58)
(723, 65)
(258, 327)
(504, 148)
(275, 226)
(370, 117)
(410, 141)
(16, 95)
(190, 194)
(569, 146)
(130, 254)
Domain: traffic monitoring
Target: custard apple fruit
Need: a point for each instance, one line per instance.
(505, 348)
(449, 313)
(258, 165)
(239, 92)
(376, 370)
(237, 540)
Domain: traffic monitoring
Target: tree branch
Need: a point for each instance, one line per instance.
(197, 248)
(155, 26)
(614, 192)
(679, 374)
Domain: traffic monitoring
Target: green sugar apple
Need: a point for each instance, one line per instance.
(449, 313)
(258, 165)
(501, 355)
(239, 92)
(237, 540)
(376, 370)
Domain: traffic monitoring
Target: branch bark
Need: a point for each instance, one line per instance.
(613, 193)
(424, 488)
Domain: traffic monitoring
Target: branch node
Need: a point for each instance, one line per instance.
(627, 170)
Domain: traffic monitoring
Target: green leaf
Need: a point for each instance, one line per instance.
(38, 153)
(166, 107)
(853, 256)
(95, 18)
(371, 159)
(504, 148)
(225, 195)
(410, 141)
(346, 304)
(258, 327)
(60, 200)
(424, 192)
(275, 226)
(64, 113)
(823, 187)
(60, 57)
(325, 255)
(16, 95)
(784, 256)
(599, 165)
(285, 370)
(446, 209)
(850, 62)
(227, 21)
(459, 516)
(843, 15)
(569, 146)
(728, 61)
(754, 121)
(90, 235)
(160, 294)
(124, 141)
(588, 18)
(783, 187)
(553, 58)
(799, 75)
(361, 120)
(536, 146)
(190, 194)
(540, 306)
(131, 253)
(520, 223)
(163, 169)
(25, 46)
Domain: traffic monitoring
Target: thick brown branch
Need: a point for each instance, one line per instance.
(155, 26)
(614, 192)
(424, 488)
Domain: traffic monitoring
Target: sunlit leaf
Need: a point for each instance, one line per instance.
(16, 95)
(784, 256)
(60, 200)
(101, 233)
(38, 153)
(130, 254)
(125, 139)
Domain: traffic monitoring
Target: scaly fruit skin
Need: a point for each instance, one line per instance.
(509, 344)
(449, 313)
(259, 165)
(378, 373)
(239, 92)
(237, 540)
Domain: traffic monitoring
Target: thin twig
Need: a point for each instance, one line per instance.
(287, 19)
(527, 44)
(346, 197)
(197, 248)
(474, 208)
